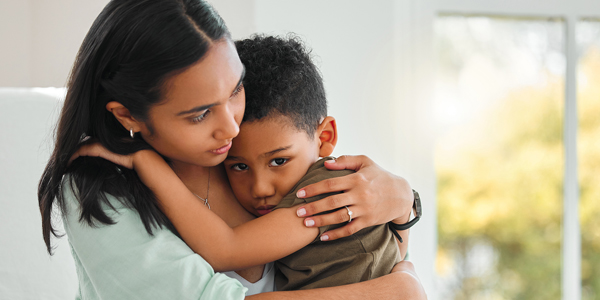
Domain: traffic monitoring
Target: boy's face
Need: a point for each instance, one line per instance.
(267, 159)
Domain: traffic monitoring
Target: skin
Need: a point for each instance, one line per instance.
(194, 127)
(267, 159)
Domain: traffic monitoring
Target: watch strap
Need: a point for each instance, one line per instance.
(395, 232)
(406, 225)
(418, 212)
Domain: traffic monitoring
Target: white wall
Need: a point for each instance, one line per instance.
(40, 39)
(15, 43)
(239, 16)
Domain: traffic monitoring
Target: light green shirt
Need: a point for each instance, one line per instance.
(122, 261)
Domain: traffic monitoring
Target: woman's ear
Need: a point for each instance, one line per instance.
(124, 116)
(327, 132)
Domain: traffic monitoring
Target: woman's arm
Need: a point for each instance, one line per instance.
(256, 242)
(401, 284)
(259, 241)
(262, 240)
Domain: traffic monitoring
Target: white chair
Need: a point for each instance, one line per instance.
(27, 120)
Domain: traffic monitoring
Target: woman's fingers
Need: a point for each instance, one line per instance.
(84, 150)
(323, 205)
(348, 162)
(342, 215)
(339, 216)
(95, 149)
(344, 231)
(331, 185)
(337, 184)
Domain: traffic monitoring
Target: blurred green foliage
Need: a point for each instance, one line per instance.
(503, 189)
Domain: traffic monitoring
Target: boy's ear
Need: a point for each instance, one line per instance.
(124, 116)
(327, 132)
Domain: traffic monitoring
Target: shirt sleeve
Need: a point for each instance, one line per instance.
(122, 261)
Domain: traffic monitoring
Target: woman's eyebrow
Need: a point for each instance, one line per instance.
(204, 107)
(196, 109)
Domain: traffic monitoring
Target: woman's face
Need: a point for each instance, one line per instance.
(202, 110)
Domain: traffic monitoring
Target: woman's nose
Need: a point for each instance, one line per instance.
(228, 128)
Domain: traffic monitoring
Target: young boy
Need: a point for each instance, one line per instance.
(284, 132)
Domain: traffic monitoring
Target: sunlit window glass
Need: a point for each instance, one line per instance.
(588, 150)
(498, 102)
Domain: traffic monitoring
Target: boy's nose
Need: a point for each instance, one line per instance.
(262, 189)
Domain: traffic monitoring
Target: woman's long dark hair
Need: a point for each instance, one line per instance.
(132, 48)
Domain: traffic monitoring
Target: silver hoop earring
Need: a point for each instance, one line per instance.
(131, 132)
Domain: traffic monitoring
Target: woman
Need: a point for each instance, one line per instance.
(164, 75)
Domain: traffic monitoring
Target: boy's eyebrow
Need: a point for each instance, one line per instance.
(267, 154)
(271, 153)
(204, 107)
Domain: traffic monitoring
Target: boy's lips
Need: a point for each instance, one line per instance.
(222, 150)
(265, 209)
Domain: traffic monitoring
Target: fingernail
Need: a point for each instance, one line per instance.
(301, 212)
(309, 223)
(301, 193)
(324, 238)
(330, 161)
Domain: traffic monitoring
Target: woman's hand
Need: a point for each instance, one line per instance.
(96, 149)
(374, 196)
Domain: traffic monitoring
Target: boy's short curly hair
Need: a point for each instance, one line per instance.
(281, 79)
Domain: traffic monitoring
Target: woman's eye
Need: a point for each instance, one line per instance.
(201, 117)
(277, 162)
(239, 167)
(237, 90)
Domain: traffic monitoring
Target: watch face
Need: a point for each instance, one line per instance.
(417, 205)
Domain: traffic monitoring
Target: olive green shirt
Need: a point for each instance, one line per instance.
(369, 253)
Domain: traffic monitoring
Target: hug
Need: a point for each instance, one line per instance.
(183, 170)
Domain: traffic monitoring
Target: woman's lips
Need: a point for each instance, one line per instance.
(221, 150)
(263, 210)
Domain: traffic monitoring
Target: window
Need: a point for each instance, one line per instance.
(499, 156)
(588, 96)
(564, 53)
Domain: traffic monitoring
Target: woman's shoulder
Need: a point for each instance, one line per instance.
(121, 258)
(96, 173)
(92, 186)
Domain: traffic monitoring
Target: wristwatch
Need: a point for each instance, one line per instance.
(417, 210)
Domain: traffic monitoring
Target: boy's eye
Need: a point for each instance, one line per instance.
(239, 167)
(277, 162)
